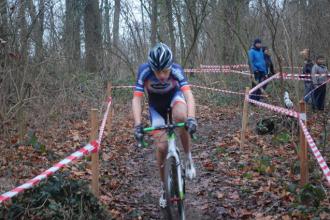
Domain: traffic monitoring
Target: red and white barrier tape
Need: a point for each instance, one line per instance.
(308, 94)
(31, 183)
(104, 120)
(302, 77)
(300, 117)
(207, 70)
(216, 71)
(294, 78)
(91, 147)
(225, 71)
(268, 106)
(280, 110)
(235, 66)
(263, 83)
(316, 152)
(201, 87)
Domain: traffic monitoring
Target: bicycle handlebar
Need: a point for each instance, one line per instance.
(162, 127)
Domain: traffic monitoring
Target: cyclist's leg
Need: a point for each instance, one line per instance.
(179, 112)
(157, 119)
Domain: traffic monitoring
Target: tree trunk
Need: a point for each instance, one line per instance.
(153, 37)
(37, 26)
(40, 31)
(23, 31)
(115, 30)
(3, 36)
(3, 20)
(171, 25)
(107, 23)
(93, 39)
(143, 22)
(72, 33)
(181, 37)
(191, 32)
(52, 31)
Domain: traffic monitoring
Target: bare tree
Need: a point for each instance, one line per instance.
(93, 39)
(3, 35)
(196, 13)
(171, 25)
(37, 26)
(115, 29)
(3, 20)
(72, 33)
(23, 32)
(154, 15)
(107, 34)
(178, 16)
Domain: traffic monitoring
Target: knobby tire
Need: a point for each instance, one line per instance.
(172, 190)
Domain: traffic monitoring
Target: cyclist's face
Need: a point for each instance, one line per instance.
(163, 75)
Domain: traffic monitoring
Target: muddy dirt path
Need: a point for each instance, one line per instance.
(142, 183)
(232, 182)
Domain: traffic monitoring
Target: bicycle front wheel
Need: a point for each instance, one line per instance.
(174, 189)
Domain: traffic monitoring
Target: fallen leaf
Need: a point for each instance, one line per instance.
(209, 166)
(219, 195)
(244, 213)
(234, 195)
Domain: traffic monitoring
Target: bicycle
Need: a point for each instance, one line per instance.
(174, 171)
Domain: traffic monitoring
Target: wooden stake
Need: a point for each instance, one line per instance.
(303, 150)
(95, 155)
(245, 117)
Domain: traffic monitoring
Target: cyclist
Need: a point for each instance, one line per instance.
(166, 85)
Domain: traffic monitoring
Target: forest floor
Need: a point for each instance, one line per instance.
(258, 181)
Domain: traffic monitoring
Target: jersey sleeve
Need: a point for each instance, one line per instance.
(179, 74)
(139, 85)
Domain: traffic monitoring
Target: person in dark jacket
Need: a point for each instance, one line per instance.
(269, 62)
(306, 71)
(258, 65)
(319, 76)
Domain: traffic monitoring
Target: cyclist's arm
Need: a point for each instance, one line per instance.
(190, 102)
(137, 109)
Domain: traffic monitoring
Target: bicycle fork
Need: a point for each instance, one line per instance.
(174, 152)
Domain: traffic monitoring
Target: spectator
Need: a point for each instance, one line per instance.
(306, 71)
(269, 63)
(258, 66)
(319, 76)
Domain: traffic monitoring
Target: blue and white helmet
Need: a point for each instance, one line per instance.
(160, 57)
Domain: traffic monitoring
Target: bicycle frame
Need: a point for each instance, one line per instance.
(173, 155)
(174, 152)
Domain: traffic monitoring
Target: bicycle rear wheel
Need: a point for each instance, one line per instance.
(174, 197)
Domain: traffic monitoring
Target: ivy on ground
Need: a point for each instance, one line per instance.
(58, 198)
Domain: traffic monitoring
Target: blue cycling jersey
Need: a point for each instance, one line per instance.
(160, 93)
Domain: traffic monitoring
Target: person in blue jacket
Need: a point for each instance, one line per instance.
(258, 65)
